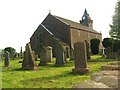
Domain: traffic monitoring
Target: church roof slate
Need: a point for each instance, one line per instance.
(76, 25)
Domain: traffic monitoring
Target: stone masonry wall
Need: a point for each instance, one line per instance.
(81, 35)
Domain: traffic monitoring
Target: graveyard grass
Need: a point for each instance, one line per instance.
(47, 76)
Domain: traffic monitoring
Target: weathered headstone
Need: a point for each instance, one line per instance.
(29, 58)
(109, 54)
(49, 54)
(60, 55)
(67, 52)
(71, 54)
(36, 57)
(80, 58)
(90, 85)
(87, 50)
(21, 53)
(43, 58)
(106, 77)
(6, 57)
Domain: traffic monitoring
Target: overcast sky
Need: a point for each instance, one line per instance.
(20, 18)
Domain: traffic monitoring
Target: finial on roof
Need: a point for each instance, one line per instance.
(49, 11)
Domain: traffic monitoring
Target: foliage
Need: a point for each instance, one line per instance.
(115, 27)
(10, 50)
(107, 42)
(95, 46)
(112, 43)
(46, 76)
(115, 45)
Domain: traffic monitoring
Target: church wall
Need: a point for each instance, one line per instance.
(57, 27)
(40, 37)
(81, 35)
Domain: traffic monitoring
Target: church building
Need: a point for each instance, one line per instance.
(65, 31)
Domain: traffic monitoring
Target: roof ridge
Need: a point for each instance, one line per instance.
(66, 19)
(75, 24)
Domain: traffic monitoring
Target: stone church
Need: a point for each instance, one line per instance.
(57, 29)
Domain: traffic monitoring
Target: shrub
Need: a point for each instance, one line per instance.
(107, 42)
(95, 46)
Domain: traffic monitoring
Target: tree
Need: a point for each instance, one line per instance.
(115, 27)
(95, 46)
(11, 50)
(107, 42)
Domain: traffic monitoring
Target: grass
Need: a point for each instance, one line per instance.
(47, 76)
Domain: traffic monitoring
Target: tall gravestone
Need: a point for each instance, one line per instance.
(60, 55)
(108, 52)
(21, 54)
(67, 52)
(43, 59)
(80, 58)
(6, 57)
(36, 57)
(71, 54)
(29, 58)
(87, 50)
(49, 54)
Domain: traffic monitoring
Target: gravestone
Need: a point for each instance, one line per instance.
(29, 58)
(60, 55)
(36, 57)
(80, 58)
(87, 50)
(71, 54)
(43, 58)
(6, 57)
(108, 52)
(49, 54)
(21, 53)
(67, 52)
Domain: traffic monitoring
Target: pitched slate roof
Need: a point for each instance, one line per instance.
(76, 24)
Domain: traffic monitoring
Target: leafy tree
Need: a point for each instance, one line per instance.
(10, 50)
(107, 42)
(95, 46)
(115, 27)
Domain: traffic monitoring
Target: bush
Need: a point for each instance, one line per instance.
(107, 42)
(95, 46)
(113, 44)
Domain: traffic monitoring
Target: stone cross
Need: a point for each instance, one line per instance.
(80, 58)
(6, 57)
(29, 58)
(103, 52)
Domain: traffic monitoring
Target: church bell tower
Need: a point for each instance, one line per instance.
(86, 20)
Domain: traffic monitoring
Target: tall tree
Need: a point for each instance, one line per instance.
(115, 27)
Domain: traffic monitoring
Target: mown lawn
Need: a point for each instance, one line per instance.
(47, 76)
